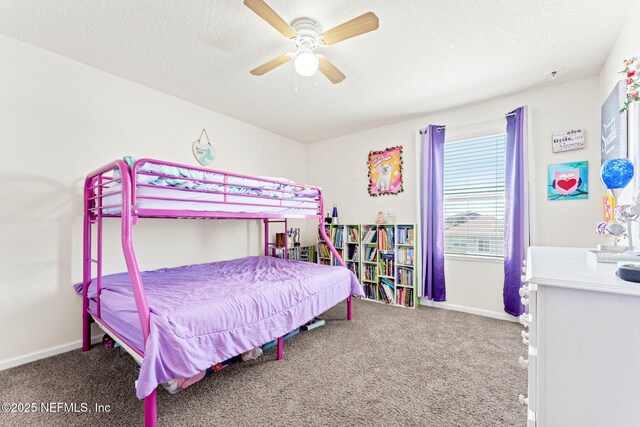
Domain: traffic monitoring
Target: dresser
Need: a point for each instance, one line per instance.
(582, 332)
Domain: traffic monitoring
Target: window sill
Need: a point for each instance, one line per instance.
(474, 258)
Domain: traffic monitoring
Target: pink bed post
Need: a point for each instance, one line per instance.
(335, 253)
(86, 267)
(150, 409)
(127, 220)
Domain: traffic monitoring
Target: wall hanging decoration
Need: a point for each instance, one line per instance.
(203, 149)
(570, 140)
(614, 125)
(568, 181)
(385, 171)
(632, 72)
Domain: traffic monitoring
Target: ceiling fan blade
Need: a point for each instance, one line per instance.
(263, 10)
(327, 68)
(360, 25)
(270, 65)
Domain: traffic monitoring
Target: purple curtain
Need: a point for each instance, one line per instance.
(516, 231)
(431, 212)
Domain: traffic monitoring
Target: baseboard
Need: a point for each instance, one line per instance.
(48, 352)
(480, 312)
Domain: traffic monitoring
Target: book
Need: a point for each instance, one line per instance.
(315, 323)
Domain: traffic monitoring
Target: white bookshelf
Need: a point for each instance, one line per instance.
(385, 263)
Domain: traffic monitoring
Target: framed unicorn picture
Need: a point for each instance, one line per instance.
(568, 181)
(385, 171)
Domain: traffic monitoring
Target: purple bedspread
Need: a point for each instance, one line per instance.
(206, 313)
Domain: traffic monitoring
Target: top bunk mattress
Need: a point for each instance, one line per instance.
(206, 313)
(172, 187)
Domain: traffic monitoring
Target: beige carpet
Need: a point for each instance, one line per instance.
(387, 367)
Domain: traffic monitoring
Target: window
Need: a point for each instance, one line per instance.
(474, 196)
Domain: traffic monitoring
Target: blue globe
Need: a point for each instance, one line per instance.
(616, 173)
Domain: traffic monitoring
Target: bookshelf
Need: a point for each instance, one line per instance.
(388, 264)
(298, 253)
(346, 239)
(324, 254)
(382, 256)
(352, 248)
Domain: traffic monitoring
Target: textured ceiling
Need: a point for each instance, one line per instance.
(426, 56)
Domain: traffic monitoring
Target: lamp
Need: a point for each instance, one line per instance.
(306, 63)
(615, 174)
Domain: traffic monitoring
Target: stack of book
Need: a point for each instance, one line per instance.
(370, 254)
(352, 235)
(354, 268)
(386, 288)
(405, 256)
(369, 272)
(385, 238)
(324, 250)
(370, 235)
(404, 296)
(336, 236)
(352, 253)
(386, 264)
(405, 235)
(405, 276)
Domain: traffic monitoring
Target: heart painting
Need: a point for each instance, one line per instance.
(203, 150)
(568, 181)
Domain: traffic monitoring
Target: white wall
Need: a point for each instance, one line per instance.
(626, 46)
(339, 166)
(60, 120)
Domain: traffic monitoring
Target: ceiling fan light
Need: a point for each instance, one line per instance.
(306, 64)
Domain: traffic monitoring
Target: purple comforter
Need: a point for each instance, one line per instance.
(206, 313)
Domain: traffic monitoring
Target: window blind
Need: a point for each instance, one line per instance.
(474, 173)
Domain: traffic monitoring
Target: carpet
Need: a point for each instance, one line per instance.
(388, 367)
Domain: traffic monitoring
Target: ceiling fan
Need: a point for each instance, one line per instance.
(305, 34)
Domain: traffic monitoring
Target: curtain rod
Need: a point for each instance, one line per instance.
(440, 128)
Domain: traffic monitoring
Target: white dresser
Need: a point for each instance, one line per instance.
(583, 335)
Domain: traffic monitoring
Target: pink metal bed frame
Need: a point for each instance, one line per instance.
(102, 183)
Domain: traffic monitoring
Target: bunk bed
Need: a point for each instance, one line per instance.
(176, 322)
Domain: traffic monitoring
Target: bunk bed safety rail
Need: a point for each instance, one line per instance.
(212, 189)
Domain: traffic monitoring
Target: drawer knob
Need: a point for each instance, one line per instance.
(525, 318)
(523, 400)
(524, 363)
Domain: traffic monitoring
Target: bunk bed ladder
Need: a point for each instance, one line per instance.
(325, 237)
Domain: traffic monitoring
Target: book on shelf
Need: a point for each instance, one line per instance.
(371, 235)
(385, 293)
(354, 269)
(405, 276)
(405, 297)
(371, 253)
(387, 282)
(324, 250)
(369, 272)
(337, 236)
(386, 263)
(405, 256)
(352, 235)
(352, 253)
(385, 238)
(405, 235)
